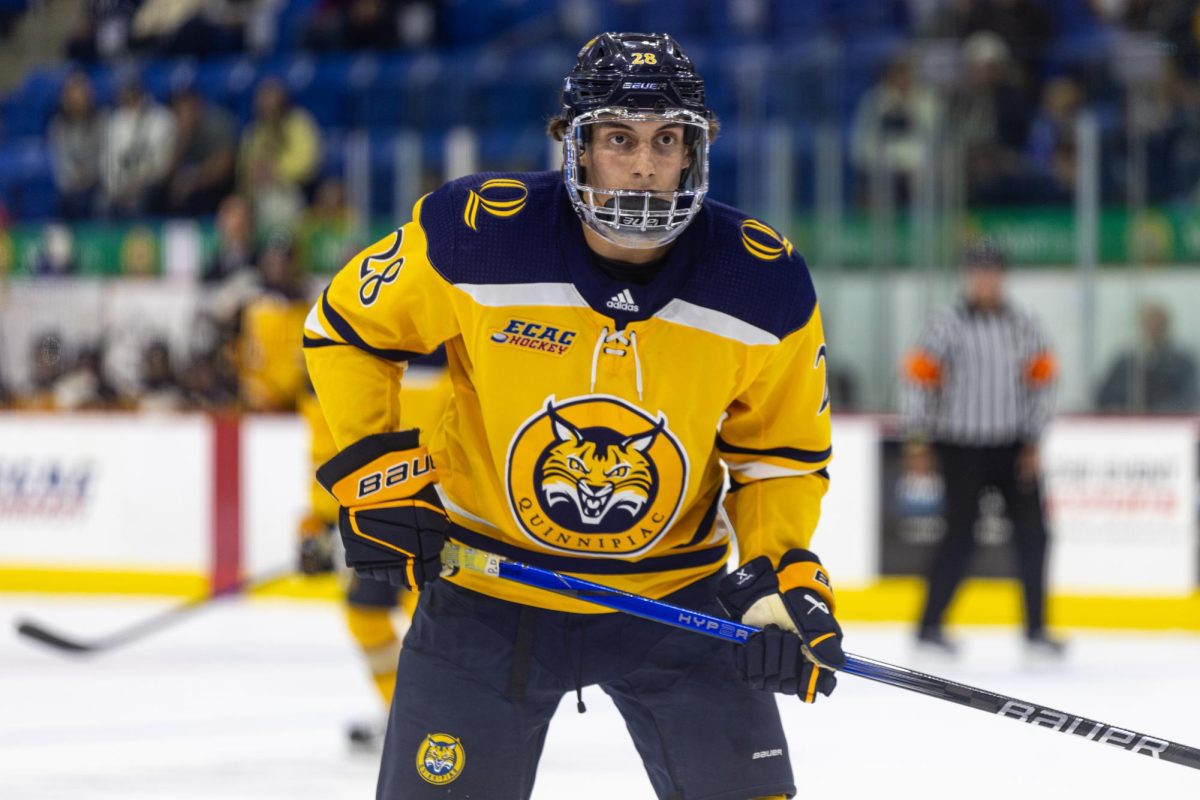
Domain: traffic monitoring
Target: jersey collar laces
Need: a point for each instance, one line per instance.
(626, 338)
(636, 218)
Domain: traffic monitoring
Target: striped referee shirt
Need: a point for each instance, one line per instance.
(979, 377)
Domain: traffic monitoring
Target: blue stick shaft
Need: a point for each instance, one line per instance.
(901, 677)
(636, 605)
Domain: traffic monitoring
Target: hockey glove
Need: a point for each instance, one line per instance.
(391, 520)
(316, 546)
(800, 645)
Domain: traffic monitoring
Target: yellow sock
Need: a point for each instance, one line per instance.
(385, 682)
(408, 602)
(376, 636)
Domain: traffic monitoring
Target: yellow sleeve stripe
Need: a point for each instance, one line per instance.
(820, 639)
(369, 538)
(811, 693)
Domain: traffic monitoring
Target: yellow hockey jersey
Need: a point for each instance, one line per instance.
(590, 418)
(270, 364)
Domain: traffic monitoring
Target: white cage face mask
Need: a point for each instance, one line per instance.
(637, 218)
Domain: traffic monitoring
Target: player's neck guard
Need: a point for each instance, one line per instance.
(635, 218)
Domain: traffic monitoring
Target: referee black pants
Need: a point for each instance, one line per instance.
(966, 472)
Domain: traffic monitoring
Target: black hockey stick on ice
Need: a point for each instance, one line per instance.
(140, 630)
(457, 556)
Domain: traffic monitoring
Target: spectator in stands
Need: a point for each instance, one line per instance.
(103, 32)
(1172, 20)
(1156, 376)
(356, 25)
(190, 27)
(990, 116)
(55, 255)
(203, 161)
(84, 387)
(894, 126)
(281, 146)
(45, 369)
(138, 144)
(76, 139)
(278, 204)
(325, 235)
(1025, 26)
(160, 389)
(236, 249)
(1166, 112)
(1062, 100)
(210, 382)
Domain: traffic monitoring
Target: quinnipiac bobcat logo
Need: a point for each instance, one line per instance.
(595, 476)
(440, 758)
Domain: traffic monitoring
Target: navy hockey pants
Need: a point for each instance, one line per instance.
(480, 678)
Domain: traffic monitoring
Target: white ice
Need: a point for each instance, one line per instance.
(250, 699)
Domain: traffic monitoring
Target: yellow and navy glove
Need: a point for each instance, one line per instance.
(392, 523)
(800, 645)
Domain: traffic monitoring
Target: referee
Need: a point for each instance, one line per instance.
(979, 390)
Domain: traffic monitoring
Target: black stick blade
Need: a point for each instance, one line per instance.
(40, 634)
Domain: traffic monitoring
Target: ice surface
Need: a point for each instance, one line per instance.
(250, 700)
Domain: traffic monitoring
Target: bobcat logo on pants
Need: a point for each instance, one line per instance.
(440, 758)
(595, 475)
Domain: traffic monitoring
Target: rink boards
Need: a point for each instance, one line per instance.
(169, 504)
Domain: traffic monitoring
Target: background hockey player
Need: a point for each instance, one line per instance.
(370, 604)
(614, 342)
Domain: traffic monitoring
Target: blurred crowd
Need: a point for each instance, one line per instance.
(1003, 83)
(183, 158)
(120, 28)
(242, 351)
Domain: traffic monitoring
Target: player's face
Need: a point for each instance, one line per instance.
(645, 156)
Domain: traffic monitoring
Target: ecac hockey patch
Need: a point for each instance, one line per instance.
(440, 758)
(536, 336)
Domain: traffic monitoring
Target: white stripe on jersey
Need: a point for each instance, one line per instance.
(312, 323)
(757, 470)
(524, 294)
(719, 323)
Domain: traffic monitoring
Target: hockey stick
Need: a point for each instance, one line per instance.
(458, 556)
(140, 630)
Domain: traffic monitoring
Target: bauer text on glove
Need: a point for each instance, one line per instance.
(391, 520)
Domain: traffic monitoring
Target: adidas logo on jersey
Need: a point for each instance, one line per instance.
(623, 302)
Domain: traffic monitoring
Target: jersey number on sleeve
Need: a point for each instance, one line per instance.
(372, 279)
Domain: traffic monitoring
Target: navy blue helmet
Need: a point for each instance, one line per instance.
(643, 71)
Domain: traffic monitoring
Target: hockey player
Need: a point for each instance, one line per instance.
(614, 342)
